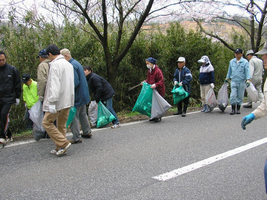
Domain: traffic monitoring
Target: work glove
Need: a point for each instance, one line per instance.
(17, 102)
(246, 120)
(153, 86)
(181, 83)
(248, 83)
(143, 82)
(212, 85)
(52, 108)
(175, 82)
(226, 80)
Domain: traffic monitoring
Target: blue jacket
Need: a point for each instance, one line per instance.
(238, 73)
(80, 84)
(183, 76)
(206, 75)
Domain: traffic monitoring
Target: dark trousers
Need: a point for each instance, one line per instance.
(4, 110)
(180, 104)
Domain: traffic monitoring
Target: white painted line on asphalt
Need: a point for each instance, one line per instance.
(183, 170)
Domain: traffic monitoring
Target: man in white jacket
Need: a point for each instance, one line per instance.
(261, 111)
(59, 98)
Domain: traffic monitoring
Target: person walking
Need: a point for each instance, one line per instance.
(256, 72)
(58, 99)
(10, 91)
(155, 79)
(182, 77)
(81, 99)
(30, 96)
(239, 74)
(206, 80)
(261, 110)
(102, 91)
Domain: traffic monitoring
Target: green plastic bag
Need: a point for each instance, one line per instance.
(104, 115)
(71, 116)
(144, 100)
(178, 94)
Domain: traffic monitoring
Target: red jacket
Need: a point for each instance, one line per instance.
(156, 77)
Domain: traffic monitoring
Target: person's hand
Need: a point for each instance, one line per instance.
(181, 83)
(248, 83)
(212, 85)
(226, 80)
(175, 82)
(52, 108)
(153, 86)
(25, 105)
(17, 102)
(41, 98)
(246, 120)
(143, 82)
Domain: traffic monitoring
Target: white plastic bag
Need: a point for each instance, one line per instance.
(37, 115)
(211, 99)
(223, 97)
(92, 112)
(159, 105)
(253, 93)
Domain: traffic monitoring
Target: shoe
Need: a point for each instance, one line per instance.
(247, 106)
(54, 152)
(177, 113)
(87, 136)
(183, 114)
(2, 141)
(157, 119)
(75, 142)
(63, 150)
(152, 119)
(116, 126)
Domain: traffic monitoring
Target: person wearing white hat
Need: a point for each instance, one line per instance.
(182, 77)
(256, 72)
(261, 110)
(206, 80)
(238, 72)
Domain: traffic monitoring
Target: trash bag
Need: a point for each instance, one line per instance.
(71, 116)
(104, 116)
(222, 97)
(178, 94)
(37, 115)
(252, 92)
(211, 99)
(92, 112)
(159, 105)
(144, 100)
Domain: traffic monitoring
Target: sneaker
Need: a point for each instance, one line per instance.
(157, 119)
(63, 150)
(76, 142)
(115, 126)
(2, 141)
(54, 152)
(87, 136)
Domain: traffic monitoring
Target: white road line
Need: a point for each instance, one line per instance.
(203, 163)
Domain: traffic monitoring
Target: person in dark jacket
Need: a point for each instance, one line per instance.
(206, 80)
(102, 90)
(10, 91)
(81, 99)
(182, 77)
(155, 78)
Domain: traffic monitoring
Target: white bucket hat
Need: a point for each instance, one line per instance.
(264, 50)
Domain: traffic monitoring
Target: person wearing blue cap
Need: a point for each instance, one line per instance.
(155, 79)
(239, 74)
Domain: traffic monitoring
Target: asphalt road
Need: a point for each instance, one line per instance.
(205, 155)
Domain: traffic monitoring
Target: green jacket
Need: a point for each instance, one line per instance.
(30, 95)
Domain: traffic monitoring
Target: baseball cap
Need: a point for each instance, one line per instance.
(249, 52)
(264, 50)
(203, 59)
(25, 78)
(42, 53)
(181, 59)
(238, 50)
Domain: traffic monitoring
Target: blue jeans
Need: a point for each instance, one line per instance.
(109, 105)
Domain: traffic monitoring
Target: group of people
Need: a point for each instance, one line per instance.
(61, 83)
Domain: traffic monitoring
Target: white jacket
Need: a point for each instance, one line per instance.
(261, 111)
(60, 85)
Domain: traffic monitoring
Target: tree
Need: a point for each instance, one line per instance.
(250, 16)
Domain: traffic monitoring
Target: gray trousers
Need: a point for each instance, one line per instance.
(258, 86)
(80, 117)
